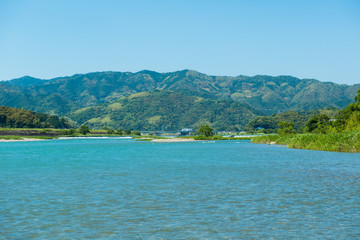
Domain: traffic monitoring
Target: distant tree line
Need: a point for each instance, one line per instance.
(21, 118)
(271, 124)
(85, 129)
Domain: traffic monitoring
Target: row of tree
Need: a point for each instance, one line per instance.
(21, 118)
(84, 129)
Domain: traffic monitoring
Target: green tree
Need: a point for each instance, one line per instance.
(70, 131)
(205, 130)
(63, 123)
(110, 131)
(54, 121)
(318, 124)
(127, 131)
(286, 128)
(119, 132)
(84, 129)
(136, 133)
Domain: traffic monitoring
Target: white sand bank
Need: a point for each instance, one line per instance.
(168, 140)
(21, 140)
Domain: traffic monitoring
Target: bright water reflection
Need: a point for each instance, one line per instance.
(119, 188)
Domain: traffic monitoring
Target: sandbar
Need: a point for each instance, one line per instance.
(21, 140)
(170, 140)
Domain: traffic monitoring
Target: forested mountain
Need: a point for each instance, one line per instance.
(167, 110)
(21, 118)
(268, 94)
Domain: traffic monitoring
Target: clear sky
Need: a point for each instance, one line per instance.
(307, 39)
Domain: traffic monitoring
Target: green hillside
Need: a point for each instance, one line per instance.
(265, 93)
(157, 110)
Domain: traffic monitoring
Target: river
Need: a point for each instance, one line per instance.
(114, 188)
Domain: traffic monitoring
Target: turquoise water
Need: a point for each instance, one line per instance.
(122, 189)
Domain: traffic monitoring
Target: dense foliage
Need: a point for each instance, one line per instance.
(336, 142)
(286, 128)
(265, 93)
(321, 121)
(347, 119)
(166, 110)
(84, 129)
(270, 124)
(21, 118)
(340, 133)
(206, 131)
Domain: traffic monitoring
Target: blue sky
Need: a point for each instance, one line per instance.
(306, 39)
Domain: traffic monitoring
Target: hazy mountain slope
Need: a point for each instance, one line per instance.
(166, 110)
(14, 96)
(266, 93)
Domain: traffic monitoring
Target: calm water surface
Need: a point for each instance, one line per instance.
(122, 189)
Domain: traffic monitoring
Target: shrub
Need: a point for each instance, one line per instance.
(84, 129)
(205, 130)
(110, 131)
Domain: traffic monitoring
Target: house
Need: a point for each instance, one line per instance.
(186, 131)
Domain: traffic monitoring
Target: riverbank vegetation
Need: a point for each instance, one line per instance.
(340, 133)
(270, 124)
(19, 138)
(335, 142)
(49, 133)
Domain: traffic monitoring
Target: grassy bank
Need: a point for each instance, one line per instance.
(11, 138)
(147, 138)
(334, 142)
(48, 133)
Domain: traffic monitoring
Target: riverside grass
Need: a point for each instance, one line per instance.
(333, 142)
(5, 137)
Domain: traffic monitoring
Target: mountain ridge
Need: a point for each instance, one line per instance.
(268, 94)
(146, 71)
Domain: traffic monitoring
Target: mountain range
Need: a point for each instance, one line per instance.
(67, 96)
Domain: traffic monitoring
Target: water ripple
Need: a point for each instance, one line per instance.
(123, 189)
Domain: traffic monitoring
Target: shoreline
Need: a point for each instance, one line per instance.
(164, 140)
(172, 140)
(22, 140)
(346, 142)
